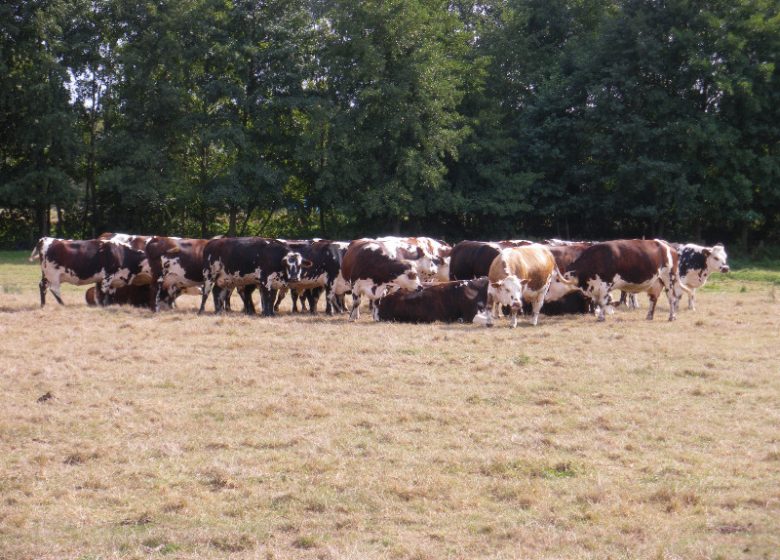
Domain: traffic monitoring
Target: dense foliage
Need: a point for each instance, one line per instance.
(503, 118)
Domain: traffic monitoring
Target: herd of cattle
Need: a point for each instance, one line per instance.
(406, 279)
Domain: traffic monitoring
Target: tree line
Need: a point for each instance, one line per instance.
(460, 119)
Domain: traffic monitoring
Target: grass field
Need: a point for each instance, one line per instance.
(178, 436)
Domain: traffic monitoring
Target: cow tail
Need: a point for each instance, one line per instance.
(36, 252)
(563, 279)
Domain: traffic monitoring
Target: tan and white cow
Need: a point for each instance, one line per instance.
(522, 273)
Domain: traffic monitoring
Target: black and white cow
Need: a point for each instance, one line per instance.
(696, 265)
(249, 262)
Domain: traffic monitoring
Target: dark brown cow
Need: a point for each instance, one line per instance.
(562, 297)
(631, 265)
(176, 264)
(326, 257)
(463, 300)
(249, 262)
(137, 296)
(472, 259)
(369, 270)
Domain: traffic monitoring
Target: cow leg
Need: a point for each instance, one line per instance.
(220, 299)
(246, 296)
(154, 294)
(312, 299)
(653, 301)
(354, 314)
(375, 310)
(670, 295)
(268, 297)
(280, 297)
(513, 322)
(294, 295)
(208, 286)
(692, 299)
(43, 285)
(633, 301)
(228, 296)
(55, 291)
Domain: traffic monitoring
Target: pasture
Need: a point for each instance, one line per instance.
(127, 435)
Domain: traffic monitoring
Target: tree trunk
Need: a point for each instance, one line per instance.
(232, 219)
(59, 229)
(743, 237)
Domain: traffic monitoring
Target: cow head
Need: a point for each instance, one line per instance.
(409, 280)
(293, 264)
(508, 291)
(716, 258)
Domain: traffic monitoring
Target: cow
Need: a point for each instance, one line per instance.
(123, 264)
(110, 263)
(631, 265)
(458, 301)
(176, 264)
(248, 262)
(408, 249)
(368, 269)
(472, 259)
(696, 264)
(563, 297)
(137, 296)
(522, 273)
(326, 257)
(66, 260)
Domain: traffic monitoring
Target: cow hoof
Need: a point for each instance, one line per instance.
(600, 319)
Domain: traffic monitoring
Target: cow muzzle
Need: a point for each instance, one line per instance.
(724, 268)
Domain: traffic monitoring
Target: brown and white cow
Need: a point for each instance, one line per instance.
(630, 265)
(461, 300)
(69, 261)
(429, 256)
(522, 273)
(368, 269)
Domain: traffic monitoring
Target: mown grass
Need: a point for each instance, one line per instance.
(127, 435)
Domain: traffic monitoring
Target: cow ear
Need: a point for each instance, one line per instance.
(706, 252)
(307, 263)
(495, 285)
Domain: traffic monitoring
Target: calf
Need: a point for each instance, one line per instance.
(522, 273)
(696, 264)
(247, 262)
(631, 265)
(464, 300)
(368, 269)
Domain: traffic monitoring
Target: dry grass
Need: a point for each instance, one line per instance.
(180, 436)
